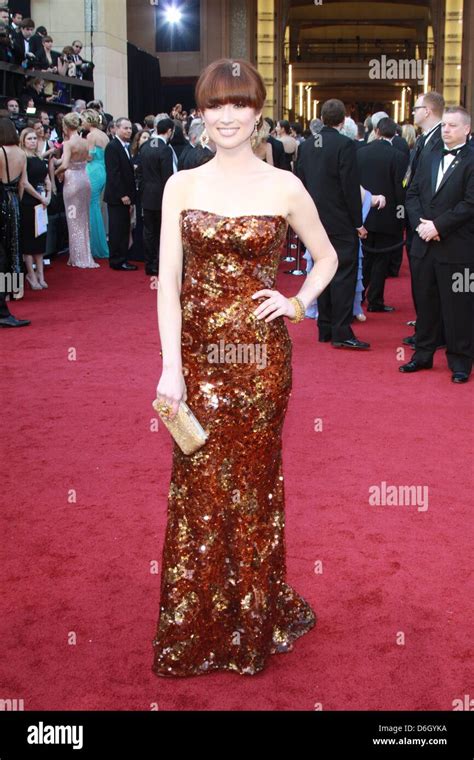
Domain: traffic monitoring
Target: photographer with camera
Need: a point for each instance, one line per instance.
(13, 108)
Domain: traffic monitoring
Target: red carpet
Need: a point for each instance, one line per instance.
(79, 568)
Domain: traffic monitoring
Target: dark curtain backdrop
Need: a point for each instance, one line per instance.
(23, 6)
(144, 84)
(179, 93)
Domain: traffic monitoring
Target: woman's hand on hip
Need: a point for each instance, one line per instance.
(274, 305)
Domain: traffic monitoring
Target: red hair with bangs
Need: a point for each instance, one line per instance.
(230, 81)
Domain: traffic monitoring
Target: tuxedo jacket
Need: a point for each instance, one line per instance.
(382, 169)
(154, 170)
(327, 166)
(19, 50)
(434, 143)
(36, 45)
(42, 62)
(450, 208)
(197, 157)
(278, 152)
(183, 156)
(401, 144)
(120, 174)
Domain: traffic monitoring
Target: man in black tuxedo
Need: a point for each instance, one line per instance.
(440, 204)
(398, 142)
(196, 154)
(120, 194)
(327, 166)
(382, 169)
(194, 133)
(22, 47)
(427, 115)
(154, 170)
(16, 19)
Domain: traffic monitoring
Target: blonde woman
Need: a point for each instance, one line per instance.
(261, 147)
(77, 193)
(37, 191)
(409, 133)
(97, 141)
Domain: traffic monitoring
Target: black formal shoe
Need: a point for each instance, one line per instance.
(125, 267)
(151, 272)
(351, 343)
(460, 377)
(380, 308)
(12, 321)
(324, 338)
(410, 341)
(414, 366)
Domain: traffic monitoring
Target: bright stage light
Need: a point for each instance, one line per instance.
(173, 15)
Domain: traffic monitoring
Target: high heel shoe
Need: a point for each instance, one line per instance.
(43, 283)
(361, 317)
(33, 285)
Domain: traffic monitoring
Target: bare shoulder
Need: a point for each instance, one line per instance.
(175, 191)
(287, 184)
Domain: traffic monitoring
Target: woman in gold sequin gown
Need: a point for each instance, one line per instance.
(225, 603)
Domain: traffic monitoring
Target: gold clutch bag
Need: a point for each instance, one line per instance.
(184, 427)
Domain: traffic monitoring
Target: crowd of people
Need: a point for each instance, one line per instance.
(31, 48)
(367, 181)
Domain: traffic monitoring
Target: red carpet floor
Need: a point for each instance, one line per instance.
(85, 507)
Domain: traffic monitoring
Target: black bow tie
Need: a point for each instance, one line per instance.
(454, 152)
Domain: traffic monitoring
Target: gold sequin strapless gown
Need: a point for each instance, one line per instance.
(225, 603)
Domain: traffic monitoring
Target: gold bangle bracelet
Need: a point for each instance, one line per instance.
(300, 309)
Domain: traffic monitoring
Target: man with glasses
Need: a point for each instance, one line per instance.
(427, 115)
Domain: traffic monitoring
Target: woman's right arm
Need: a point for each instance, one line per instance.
(171, 387)
(65, 159)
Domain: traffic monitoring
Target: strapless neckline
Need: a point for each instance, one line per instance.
(240, 216)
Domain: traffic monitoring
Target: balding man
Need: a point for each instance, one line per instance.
(440, 205)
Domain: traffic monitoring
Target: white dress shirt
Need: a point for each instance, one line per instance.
(446, 162)
(124, 146)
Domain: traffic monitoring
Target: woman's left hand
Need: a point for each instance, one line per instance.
(275, 305)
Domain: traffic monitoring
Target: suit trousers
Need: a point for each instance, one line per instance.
(375, 266)
(119, 234)
(151, 238)
(335, 304)
(439, 304)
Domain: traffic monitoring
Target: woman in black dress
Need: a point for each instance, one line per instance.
(12, 183)
(33, 246)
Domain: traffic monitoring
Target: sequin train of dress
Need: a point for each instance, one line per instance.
(77, 198)
(225, 603)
